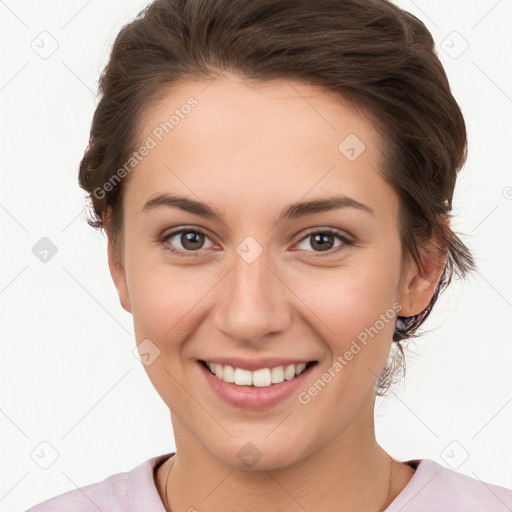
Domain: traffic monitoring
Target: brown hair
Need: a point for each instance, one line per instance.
(369, 52)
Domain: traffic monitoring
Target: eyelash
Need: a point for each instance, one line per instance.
(330, 231)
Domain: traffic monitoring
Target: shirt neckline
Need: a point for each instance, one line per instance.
(425, 471)
(144, 476)
(423, 474)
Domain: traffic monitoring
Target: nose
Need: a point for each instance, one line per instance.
(252, 302)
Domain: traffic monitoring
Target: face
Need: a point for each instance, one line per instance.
(263, 279)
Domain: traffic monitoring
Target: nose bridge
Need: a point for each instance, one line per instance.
(251, 303)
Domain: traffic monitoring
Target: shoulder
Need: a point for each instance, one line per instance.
(115, 493)
(436, 488)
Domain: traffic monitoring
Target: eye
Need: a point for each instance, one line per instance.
(191, 241)
(322, 241)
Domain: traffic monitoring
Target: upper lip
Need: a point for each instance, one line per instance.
(255, 364)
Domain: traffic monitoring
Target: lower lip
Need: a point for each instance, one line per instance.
(253, 397)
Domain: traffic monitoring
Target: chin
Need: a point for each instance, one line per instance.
(260, 453)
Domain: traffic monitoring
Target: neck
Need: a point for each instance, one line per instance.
(349, 473)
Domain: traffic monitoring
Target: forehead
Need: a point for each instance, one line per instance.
(249, 109)
(282, 139)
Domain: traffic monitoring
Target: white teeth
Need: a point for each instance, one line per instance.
(228, 374)
(300, 368)
(261, 378)
(277, 375)
(218, 370)
(289, 372)
(242, 377)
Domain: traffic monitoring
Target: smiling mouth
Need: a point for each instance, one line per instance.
(264, 377)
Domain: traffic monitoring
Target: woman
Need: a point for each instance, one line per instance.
(276, 179)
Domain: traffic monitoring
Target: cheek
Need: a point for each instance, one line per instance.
(347, 300)
(353, 310)
(168, 302)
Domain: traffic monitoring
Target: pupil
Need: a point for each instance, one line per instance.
(190, 238)
(321, 240)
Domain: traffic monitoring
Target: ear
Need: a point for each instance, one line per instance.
(118, 275)
(419, 285)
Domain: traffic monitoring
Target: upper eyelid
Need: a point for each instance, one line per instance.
(185, 229)
(333, 231)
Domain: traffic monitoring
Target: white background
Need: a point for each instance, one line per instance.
(69, 377)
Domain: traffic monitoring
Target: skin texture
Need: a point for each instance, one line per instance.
(250, 149)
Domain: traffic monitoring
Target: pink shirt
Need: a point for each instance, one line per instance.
(433, 488)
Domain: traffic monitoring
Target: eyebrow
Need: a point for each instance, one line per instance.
(292, 211)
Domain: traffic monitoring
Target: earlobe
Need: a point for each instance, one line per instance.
(420, 283)
(118, 274)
